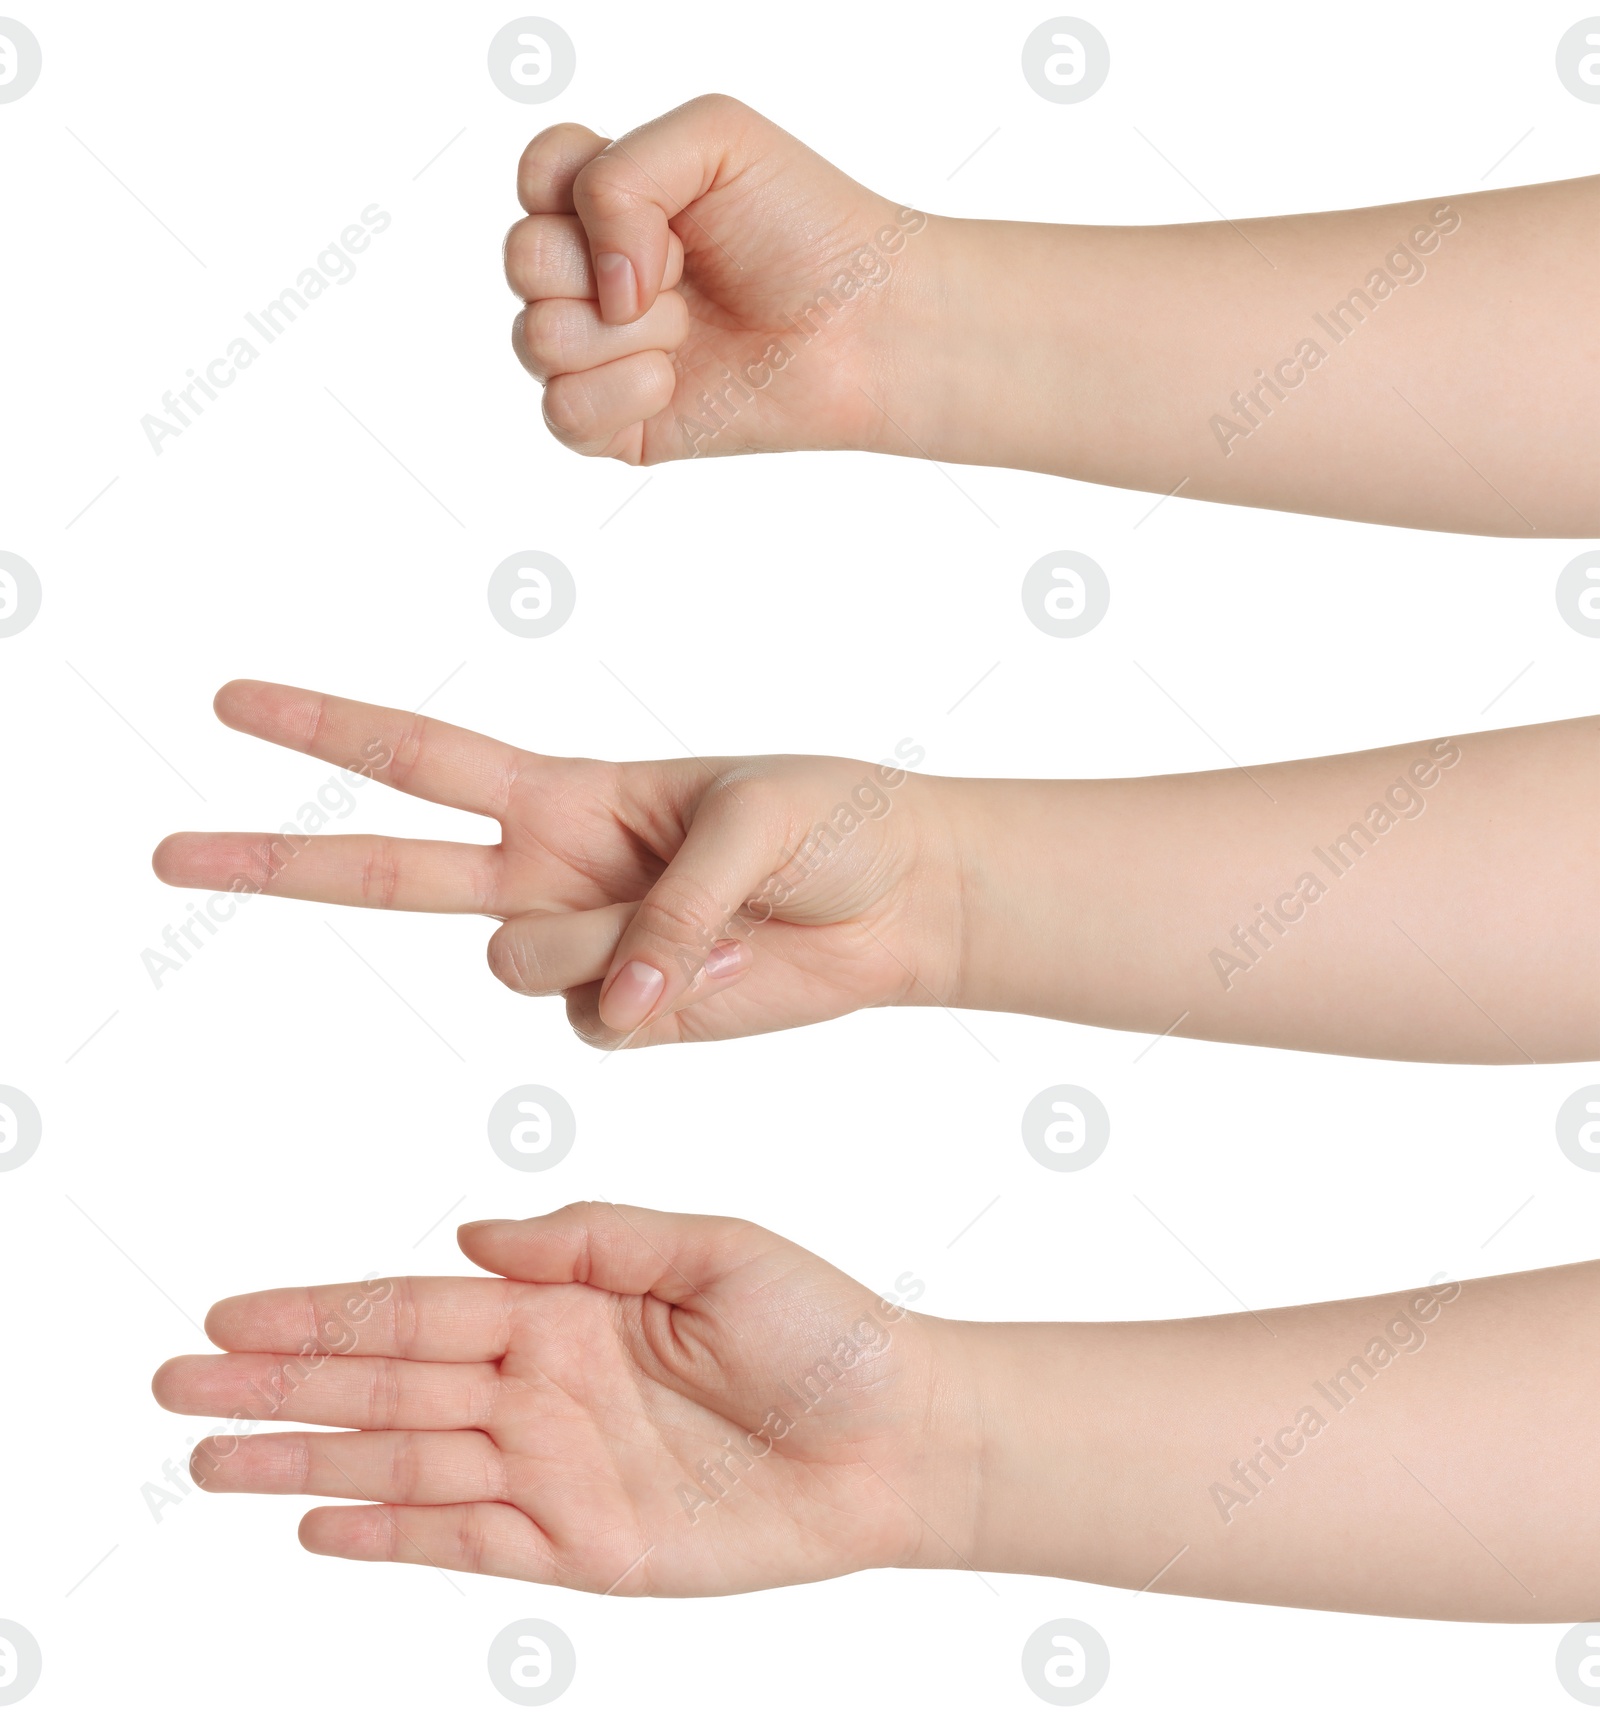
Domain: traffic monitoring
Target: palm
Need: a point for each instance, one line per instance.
(653, 1467)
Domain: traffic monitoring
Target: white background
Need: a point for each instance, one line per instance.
(275, 1114)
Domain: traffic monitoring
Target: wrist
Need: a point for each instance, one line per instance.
(987, 825)
(958, 358)
(1003, 1453)
(943, 886)
(945, 1484)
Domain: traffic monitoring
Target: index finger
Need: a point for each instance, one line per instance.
(550, 164)
(627, 193)
(423, 757)
(440, 1318)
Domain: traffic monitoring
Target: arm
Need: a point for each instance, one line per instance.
(646, 1403)
(1431, 901)
(1431, 364)
(1410, 1454)
(1425, 365)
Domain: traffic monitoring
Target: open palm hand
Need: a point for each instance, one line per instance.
(635, 1402)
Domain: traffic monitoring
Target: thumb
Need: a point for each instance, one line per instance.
(618, 1248)
(626, 195)
(687, 934)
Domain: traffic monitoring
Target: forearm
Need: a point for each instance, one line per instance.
(1430, 901)
(1412, 1454)
(1429, 364)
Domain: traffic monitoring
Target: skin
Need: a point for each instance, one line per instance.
(632, 1402)
(691, 900)
(662, 273)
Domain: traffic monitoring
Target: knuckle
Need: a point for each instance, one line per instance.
(751, 798)
(610, 184)
(568, 411)
(515, 961)
(383, 1395)
(547, 334)
(717, 107)
(578, 1222)
(404, 1317)
(297, 1464)
(380, 875)
(407, 1466)
(677, 916)
(544, 155)
(523, 251)
(472, 1540)
(407, 752)
(482, 1399)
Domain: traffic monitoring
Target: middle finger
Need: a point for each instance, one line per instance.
(547, 257)
(330, 1390)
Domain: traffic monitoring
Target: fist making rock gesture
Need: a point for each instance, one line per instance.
(673, 275)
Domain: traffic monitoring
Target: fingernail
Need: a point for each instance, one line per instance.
(633, 991)
(726, 958)
(619, 290)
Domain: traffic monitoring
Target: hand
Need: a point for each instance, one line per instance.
(648, 1404)
(628, 888)
(705, 286)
